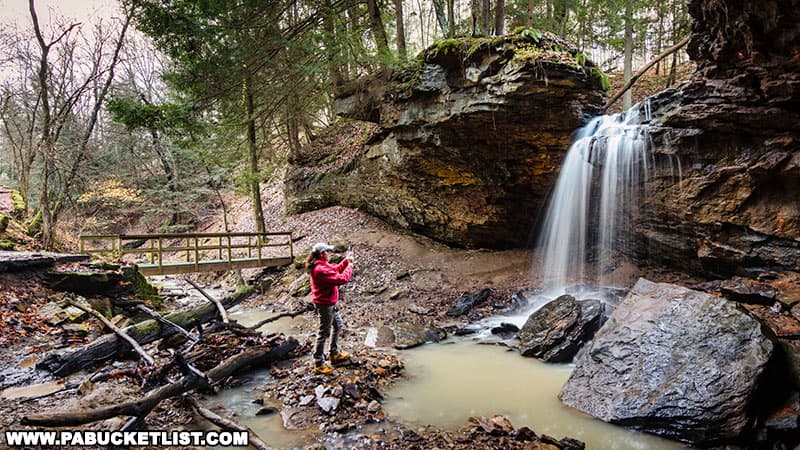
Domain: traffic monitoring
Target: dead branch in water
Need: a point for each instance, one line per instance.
(256, 356)
(226, 424)
(281, 316)
(65, 362)
(222, 313)
(132, 342)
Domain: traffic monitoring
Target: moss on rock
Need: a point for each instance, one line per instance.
(4, 221)
(18, 204)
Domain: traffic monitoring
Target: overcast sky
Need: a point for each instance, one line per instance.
(15, 12)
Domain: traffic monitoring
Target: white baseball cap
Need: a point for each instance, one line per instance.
(321, 247)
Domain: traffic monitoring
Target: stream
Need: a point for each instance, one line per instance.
(445, 384)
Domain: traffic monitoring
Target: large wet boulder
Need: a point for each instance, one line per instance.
(723, 199)
(672, 361)
(556, 331)
(470, 139)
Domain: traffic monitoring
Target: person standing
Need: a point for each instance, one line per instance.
(325, 281)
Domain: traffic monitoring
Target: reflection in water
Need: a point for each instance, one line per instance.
(448, 383)
(34, 390)
(270, 427)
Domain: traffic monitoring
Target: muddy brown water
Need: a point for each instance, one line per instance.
(450, 382)
(446, 384)
(33, 390)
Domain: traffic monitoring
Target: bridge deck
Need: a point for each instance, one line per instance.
(173, 268)
(180, 253)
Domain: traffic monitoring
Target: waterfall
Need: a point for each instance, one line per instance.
(589, 213)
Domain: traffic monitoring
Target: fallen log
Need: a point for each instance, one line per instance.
(227, 424)
(110, 325)
(65, 362)
(166, 322)
(256, 356)
(644, 70)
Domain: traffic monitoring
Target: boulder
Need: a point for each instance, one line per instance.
(465, 303)
(470, 141)
(672, 361)
(301, 286)
(408, 335)
(555, 332)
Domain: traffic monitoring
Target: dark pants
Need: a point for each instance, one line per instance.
(328, 316)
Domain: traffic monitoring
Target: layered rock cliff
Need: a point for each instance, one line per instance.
(735, 127)
(471, 139)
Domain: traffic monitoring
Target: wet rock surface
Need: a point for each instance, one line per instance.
(18, 261)
(742, 290)
(428, 169)
(466, 303)
(674, 362)
(555, 332)
(495, 432)
(730, 206)
(405, 335)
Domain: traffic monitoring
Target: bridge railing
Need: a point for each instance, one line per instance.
(194, 252)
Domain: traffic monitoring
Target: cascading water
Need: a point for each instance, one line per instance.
(599, 187)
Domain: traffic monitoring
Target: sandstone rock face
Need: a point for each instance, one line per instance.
(674, 362)
(470, 140)
(735, 128)
(555, 332)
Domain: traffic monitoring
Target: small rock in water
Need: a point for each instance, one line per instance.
(306, 400)
(467, 330)
(373, 406)
(495, 425)
(525, 434)
(505, 330)
(269, 410)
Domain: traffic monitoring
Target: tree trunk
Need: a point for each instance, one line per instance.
(674, 66)
(255, 177)
(485, 23)
(378, 32)
(529, 21)
(451, 19)
(66, 362)
(499, 17)
(441, 18)
(330, 49)
(401, 30)
(628, 65)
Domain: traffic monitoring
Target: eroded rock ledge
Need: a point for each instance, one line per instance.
(471, 139)
(735, 127)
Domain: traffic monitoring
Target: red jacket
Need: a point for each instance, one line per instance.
(326, 277)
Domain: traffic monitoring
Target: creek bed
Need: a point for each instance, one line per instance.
(445, 384)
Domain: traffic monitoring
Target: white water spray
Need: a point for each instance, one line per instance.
(588, 217)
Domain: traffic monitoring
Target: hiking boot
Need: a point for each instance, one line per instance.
(340, 358)
(323, 369)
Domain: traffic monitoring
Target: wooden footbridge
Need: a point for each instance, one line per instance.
(178, 253)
